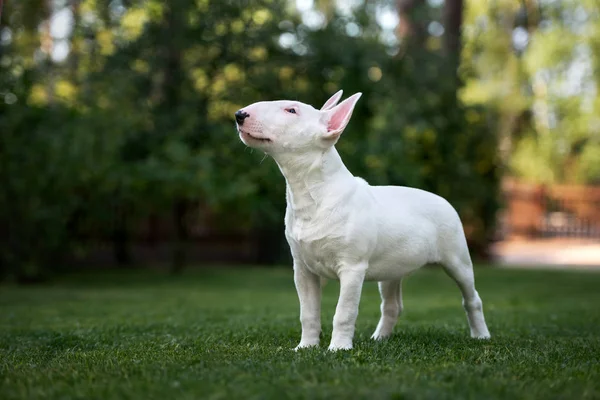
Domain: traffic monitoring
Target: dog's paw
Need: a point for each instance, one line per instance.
(480, 333)
(340, 346)
(305, 346)
(380, 335)
(483, 336)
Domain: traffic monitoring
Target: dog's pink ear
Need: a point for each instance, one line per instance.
(333, 100)
(339, 116)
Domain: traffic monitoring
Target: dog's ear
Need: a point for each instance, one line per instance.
(333, 100)
(338, 117)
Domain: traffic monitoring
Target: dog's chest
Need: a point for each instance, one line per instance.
(317, 241)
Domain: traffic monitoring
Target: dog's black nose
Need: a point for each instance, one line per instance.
(240, 116)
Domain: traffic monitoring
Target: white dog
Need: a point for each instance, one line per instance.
(339, 227)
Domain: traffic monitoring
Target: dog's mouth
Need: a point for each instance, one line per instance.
(247, 135)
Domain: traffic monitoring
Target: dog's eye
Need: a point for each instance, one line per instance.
(291, 110)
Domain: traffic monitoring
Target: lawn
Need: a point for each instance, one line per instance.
(227, 333)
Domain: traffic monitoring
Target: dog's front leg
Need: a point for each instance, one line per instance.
(344, 321)
(309, 292)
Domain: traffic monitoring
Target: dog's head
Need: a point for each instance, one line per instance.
(290, 126)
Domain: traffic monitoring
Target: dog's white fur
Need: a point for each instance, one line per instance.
(339, 227)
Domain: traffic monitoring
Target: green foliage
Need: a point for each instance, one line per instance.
(229, 333)
(137, 121)
(536, 64)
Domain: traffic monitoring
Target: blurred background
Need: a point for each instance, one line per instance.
(118, 145)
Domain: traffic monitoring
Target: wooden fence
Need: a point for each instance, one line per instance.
(537, 211)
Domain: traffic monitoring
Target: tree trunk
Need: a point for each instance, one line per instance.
(169, 95)
(452, 19)
(453, 10)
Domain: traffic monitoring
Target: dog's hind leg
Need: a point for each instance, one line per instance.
(391, 308)
(461, 270)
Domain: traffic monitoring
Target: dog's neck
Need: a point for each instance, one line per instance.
(312, 179)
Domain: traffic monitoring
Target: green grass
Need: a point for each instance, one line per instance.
(228, 334)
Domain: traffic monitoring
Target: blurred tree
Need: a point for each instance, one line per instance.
(536, 63)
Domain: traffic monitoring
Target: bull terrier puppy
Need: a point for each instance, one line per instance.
(340, 227)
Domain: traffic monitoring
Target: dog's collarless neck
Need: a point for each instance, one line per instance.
(310, 178)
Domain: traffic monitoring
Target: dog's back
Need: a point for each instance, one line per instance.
(414, 228)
